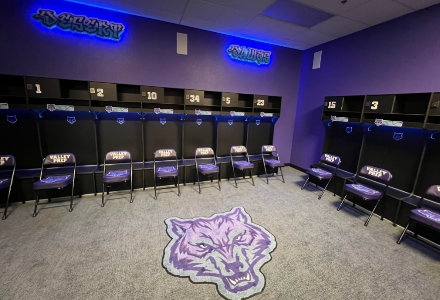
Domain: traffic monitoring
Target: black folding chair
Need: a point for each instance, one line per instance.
(271, 161)
(368, 185)
(58, 172)
(165, 167)
(323, 171)
(240, 162)
(206, 165)
(427, 212)
(118, 169)
(7, 172)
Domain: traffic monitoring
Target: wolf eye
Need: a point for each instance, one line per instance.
(203, 246)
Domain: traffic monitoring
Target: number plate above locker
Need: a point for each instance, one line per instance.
(194, 97)
(152, 94)
(229, 99)
(43, 87)
(333, 103)
(103, 91)
(261, 101)
(379, 103)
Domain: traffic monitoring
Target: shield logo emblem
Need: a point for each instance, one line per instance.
(348, 129)
(257, 121)
(199, 122)
(71, 120)
(397, 136)
(50, 107)
(230, 122)
(197, 111)
(157, 110)
(262, 114)
(12, 119)
(120, 121)
(162, 121)
(109, 109)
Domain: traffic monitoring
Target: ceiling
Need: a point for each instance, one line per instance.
(297, 24)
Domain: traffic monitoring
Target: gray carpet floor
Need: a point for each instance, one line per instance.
(115, 252)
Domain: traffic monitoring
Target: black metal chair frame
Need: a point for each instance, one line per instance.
(270, 156)
(424, 203)
(56, 165)
(7, 167)
(327, 162)
(163, 158)
(240, 153)
(367, 176)
(206, 156)
(116, 161)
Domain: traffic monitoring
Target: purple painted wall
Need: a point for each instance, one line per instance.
(400, 56)
(145, 55)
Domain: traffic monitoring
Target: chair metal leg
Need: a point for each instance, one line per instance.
(5, 213)
(265, 171)
(371, 214)
(235, 178)
(36, 204)
(218, 181)
(403, 233)
(281, 171)
(102, 196)
(342, 202)
(71, 200)
(131, 190)
(305, 183)
(198, 181)
(252, 177)
(325, 188)
(178, 186)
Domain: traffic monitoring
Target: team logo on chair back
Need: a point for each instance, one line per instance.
(226, 249)
(12, 119)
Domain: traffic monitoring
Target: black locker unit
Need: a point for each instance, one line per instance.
(121, 131)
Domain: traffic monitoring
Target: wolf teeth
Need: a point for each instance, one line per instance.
(234, 282)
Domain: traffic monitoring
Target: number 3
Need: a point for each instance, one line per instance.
(374, 105)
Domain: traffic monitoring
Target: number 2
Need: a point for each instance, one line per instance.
(260, 102)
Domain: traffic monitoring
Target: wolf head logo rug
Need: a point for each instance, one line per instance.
(226, 249)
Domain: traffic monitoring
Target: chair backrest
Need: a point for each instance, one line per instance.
(205, 155)
(239, 153)
(166, 157)
(58, 163)
(120, 159)
(375, 175)
(330, 159)
(431, 199)
(7, 166)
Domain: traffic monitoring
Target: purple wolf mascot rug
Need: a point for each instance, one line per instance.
(226, 249)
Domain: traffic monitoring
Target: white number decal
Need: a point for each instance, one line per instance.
(374, 105)
(38, 88)
(228, 100)
(194, 98)
(152, 95)
(332, 104)
(260, 102)
(100, 92)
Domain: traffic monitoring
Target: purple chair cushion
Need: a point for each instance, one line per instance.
(53, 182)
(116, 176)
(426, 216)
(362, 191)
(320, 173)
(274, 163)
(4, 183)
(167, 172)
(208, 169)
(242, 165)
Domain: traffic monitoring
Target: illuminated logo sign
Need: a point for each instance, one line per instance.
(81, 24)
(260, 57)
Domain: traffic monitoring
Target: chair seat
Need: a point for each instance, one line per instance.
(362, 191)
(53, 182)
(167, 172)
(116, 176)
(243, 165)
(320, 173)
(208, 169)
(426, 216)
(274, 163)
(4, 183)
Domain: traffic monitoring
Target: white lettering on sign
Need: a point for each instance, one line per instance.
(59, 158)
(165, 153)
(205, 151)
(330, 158)
(376, 172)
(240, 149)
(374, 105)
(100, 92)
(3, 160)
(332, 104)
(269, 148)
(117, 154)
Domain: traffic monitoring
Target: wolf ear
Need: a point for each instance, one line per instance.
(177, 226)
(239, 214)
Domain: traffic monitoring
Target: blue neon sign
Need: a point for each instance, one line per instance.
(260, 57)
(81, 24)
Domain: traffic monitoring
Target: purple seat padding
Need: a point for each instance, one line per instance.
(116, 176)
(53, 182)
(208, 169)
(320, 173)
(243, 165)
(362, 191)
(426, 216)
(4, 183)
(167, 172)
(274, 163)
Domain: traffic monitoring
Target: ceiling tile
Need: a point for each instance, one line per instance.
(419, 4)
(339, 26)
